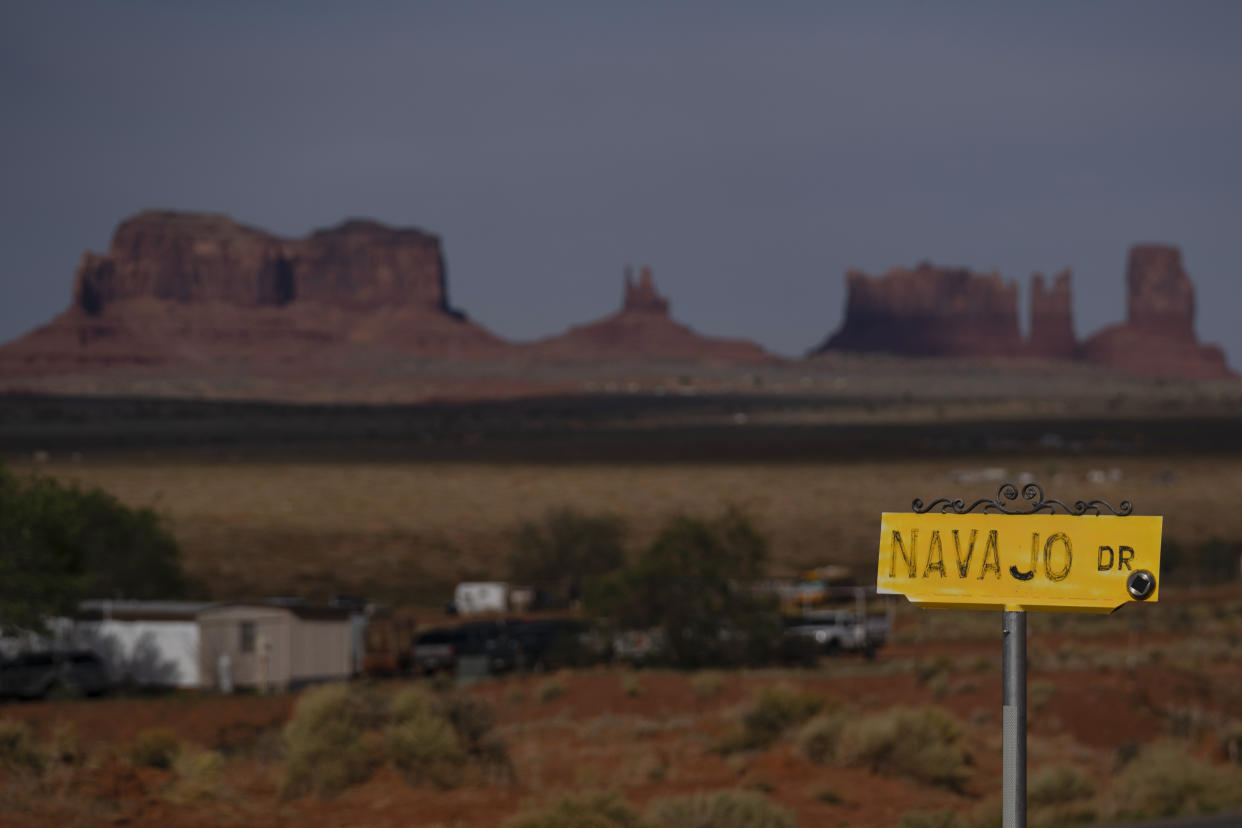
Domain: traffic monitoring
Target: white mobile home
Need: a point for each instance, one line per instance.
(273, 646)
(146, 643)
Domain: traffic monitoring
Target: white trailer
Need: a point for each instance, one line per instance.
(146, 643)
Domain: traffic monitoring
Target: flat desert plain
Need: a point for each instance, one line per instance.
(405, 532)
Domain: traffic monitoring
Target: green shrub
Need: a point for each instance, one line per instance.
(591, 811)
(1057, 786)
(411, 702)
(566, 549)
(775, 710)
(1166, 781)
(425, 748)
(550, 689)
(17, 749)
(433, 738)
(688, 583)
(156, 747)
(924, 744)
(706, 685)
(324, 747)
(724, 809)
(818, 738)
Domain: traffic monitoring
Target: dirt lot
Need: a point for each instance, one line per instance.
(1101, 690)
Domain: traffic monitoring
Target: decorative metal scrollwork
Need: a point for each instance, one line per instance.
(1007, 497)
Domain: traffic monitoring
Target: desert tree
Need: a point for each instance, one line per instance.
(60, 544)
(564, 549)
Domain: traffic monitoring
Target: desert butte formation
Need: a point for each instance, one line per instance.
(188, 289)
(642, 329)
(952, 312)
(179, 293)
(182, 288)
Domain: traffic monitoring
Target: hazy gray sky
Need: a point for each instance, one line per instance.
(749, 152)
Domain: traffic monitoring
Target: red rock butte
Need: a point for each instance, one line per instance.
(929, 311)
(1158, 337)
(178, 288)
(642, 329)
(952, 312)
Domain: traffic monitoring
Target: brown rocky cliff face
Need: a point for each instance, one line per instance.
(1052, 322)
(1159, 295)
(195, 258)
(643, 296)
(1158, 338)
(929, 311)
(189, 288)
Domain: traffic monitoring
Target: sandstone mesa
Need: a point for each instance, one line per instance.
(183, 294)
(186, 288)
(953, 312)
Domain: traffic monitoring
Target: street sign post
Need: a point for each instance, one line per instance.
(1001, 553)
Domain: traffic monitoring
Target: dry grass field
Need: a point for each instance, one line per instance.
(405, 531)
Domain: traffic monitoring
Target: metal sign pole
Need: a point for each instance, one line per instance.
(1013, 720)
(950, 554)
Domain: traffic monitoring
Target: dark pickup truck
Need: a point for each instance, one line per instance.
(39, 674)
(510, 644)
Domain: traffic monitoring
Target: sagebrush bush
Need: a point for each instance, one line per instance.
(1057, 786)
(723, 809)
(17, 749)
(474, 723)
(425, 748)
(1166, 781)
(325, 751)
(338, 735)
(776, 709)
(590, 811)
(411, 702)
(818, 738)
(156, 747)
(924, 744)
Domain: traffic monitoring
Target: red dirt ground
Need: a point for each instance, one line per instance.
(600, 734)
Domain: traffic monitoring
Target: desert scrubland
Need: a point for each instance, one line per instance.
(1133, 715)
(405, 531)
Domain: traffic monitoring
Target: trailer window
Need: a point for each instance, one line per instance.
(247, 636)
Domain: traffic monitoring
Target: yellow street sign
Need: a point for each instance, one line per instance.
(1083, 563)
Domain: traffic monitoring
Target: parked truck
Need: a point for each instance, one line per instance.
(840, 630)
